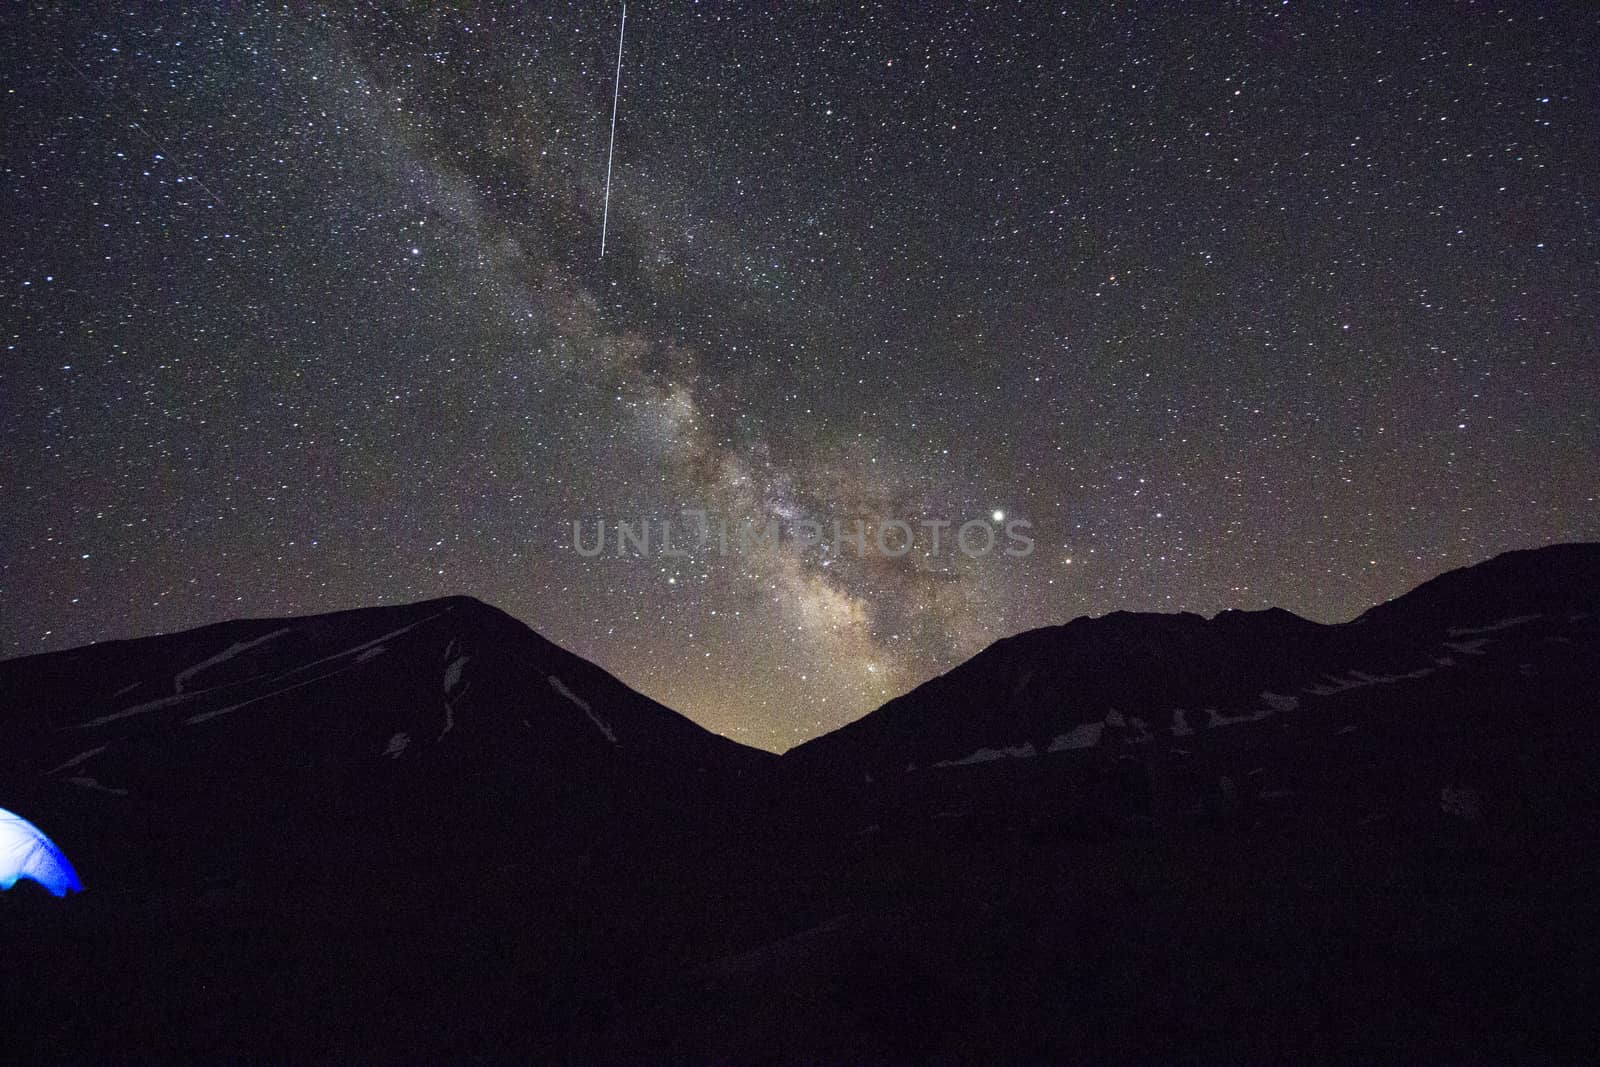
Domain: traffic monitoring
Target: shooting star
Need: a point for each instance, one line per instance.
(616, 93)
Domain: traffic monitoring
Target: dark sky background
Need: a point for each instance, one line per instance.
(1239, 304)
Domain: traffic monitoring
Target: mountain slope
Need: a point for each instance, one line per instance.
(417, 833)
(1368, 842)
(423, 833)
(251, 750)
(1131, 679)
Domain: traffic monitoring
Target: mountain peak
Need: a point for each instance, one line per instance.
(1046, 689)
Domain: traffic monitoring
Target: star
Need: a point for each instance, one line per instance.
(1113, 315)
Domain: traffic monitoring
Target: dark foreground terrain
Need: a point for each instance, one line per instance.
(424, 833)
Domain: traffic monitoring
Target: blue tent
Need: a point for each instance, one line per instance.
(26, 853)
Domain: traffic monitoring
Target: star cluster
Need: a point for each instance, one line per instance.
(1244, 305)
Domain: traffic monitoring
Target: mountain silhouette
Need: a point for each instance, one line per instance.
(425, 832)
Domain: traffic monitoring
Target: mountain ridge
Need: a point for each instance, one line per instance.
(417, 833)
(1148, 658)
(1452, 583)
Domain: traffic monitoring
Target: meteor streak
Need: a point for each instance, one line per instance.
(616, 93)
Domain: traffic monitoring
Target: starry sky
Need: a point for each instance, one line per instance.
(1237, 304)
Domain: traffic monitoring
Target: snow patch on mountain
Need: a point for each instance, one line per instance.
(1503, 624)
(452, 673)
(1084, 736)
(207, 715)
(90, 783)
(560, 687)
(454, 690)
(1357, 679)
(226, 654)
(989, 755)
(79, 758)
(1215, 718)
(1325, 690)
(182, 698)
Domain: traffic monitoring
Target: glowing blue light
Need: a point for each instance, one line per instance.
(26, 853)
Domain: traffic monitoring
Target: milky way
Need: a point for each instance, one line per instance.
(1279, 305)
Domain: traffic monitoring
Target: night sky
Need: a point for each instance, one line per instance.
(1238, 305)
